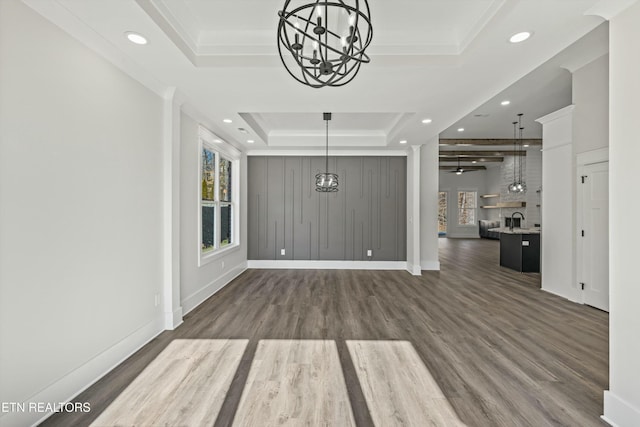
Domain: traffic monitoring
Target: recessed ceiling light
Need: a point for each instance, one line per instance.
(505, 102)
(520, 37)
(404, 141)
(219, 141)
(460, 129)
(474, 161)
(136, 38)
(427, 121)
(526, 145)
(250, 141)
(228, 121)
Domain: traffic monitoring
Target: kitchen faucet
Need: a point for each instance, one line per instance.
(512, 221)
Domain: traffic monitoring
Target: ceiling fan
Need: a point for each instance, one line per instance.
(460, 170)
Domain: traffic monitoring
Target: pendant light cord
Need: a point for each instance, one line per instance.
(327, 150)
(515, 152)
(520, 148)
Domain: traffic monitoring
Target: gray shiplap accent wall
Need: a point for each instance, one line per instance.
(285, 211)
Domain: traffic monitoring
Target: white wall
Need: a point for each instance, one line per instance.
(591, 100)
(81, 213)
(622, 401)
(199, 283)
(577, 129)
(429, 181)
(452, 183)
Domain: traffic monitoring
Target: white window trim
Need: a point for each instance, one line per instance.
(221, 149)
(476, 208)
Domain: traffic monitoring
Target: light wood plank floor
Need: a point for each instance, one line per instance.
(501, 352)
(398, 387)
(295, 383)
(185, 385)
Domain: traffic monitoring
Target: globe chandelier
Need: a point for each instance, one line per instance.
(323, 43)
(327, 182)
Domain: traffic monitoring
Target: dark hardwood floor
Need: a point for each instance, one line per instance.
(503, 352)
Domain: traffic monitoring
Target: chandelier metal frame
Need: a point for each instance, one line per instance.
(320, 53)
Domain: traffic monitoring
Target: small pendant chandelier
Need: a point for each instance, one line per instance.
(518, 185)
(324, 42)
(512, 188)
(521, 187)
(327, 182)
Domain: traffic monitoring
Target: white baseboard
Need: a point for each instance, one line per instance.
(567, 297)
(173, 319)
(430, 265)
(201, 295)
(618, 412)
(81, 378)
(327, 265)
(414, 269)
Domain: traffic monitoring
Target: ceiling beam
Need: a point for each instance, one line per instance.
(471, 153)
(444, 158)
(465, 142)
(467, 168)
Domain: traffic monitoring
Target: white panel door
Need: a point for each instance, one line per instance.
(594, 262)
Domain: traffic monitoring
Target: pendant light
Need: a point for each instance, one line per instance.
(327, 182)
(513, 187)
(521, 186)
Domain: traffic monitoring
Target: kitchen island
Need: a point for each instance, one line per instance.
(520, 249)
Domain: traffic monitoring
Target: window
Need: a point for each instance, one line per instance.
(207, 195)
(226, 209)
(217, 196)
(442, 212)
(467, 207)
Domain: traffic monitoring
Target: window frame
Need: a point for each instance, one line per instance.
(221, 150)
(475, 207)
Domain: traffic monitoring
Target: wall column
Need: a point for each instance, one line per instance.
(558, 190)
(413, 211)
(429, 183)
(622, 400)
(171, 211)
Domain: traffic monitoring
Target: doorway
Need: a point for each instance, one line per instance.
(593, 234)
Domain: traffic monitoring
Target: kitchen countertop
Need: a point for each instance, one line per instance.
(506, 230)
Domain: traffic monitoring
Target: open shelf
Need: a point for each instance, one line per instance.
(499, 205)
(512, 204)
